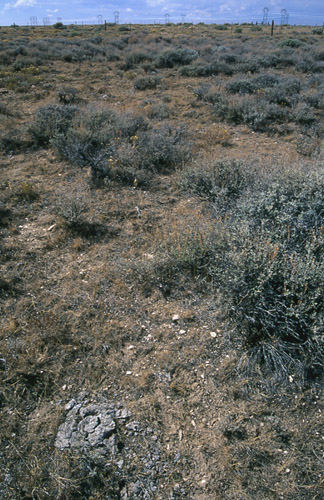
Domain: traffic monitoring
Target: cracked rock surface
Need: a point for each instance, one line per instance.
(115, 447)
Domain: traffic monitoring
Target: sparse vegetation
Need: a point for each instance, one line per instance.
(161, 257)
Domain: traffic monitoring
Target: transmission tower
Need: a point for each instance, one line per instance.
(284, 18)
(116, 14)
(265, 15)
(46, 21)
(167, 18)
(183, 18)
(33, 20)
(100, 21)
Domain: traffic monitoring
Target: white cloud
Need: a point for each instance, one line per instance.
(52, 10)
(7, 6)
(25, 3)
(129, 10)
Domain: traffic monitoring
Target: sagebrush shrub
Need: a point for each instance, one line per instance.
(221, 182)
(147, 82)
(265, 258)
(119, 147)
(50, 120)
(67, 95)
(177, 57)
(291, 42)
(241, 87)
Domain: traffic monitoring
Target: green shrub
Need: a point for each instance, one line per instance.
(221, 182)
(259, 115)
(134, 59)
(264, 255)
(315, 100)
(118, 147)
(58, 26)
(266, 80)
(279, 264)
(308, 143)
(4, 110)
(291, 42)
(304, 115)
(124, 28)
(51, 120)
(177, 57)
(241, 87)
(147, 82)
(163, 149)
(159, 111)
(207, 69)
(207, 94)
(274, 301)
(13, 141)
(67, 95)
(255, 28)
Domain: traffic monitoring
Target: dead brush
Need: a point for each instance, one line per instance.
(27, 192)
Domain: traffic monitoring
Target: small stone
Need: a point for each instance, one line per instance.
(133, 426)
(123, 414)
(70, 404)
(175, 318)
(213, 334)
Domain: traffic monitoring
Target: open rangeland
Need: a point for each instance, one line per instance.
(161, 257)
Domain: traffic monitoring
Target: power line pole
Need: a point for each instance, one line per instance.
(99, 19)
(33, 20)
(183, 18)
(167, 18)
(46, 21)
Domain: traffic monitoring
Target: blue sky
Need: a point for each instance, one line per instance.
(148, 11)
